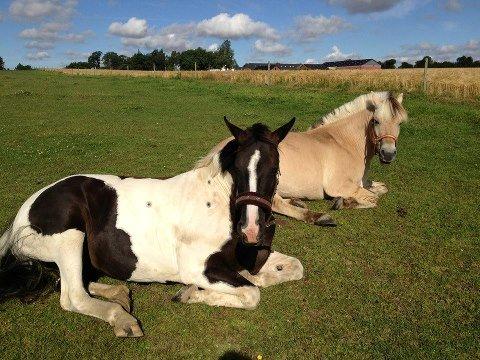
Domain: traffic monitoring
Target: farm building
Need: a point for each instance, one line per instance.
(344, 64)
(353, 64)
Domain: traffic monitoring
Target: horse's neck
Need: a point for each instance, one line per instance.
(351, 132)
(203, 197)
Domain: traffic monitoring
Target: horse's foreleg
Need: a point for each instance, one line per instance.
(277, 269)
(119, 294)
(73, 295)
(223, 287)
(284, 207)
(360, 199)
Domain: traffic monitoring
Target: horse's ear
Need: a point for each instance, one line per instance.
(283, 130)
(400, 98)
(234, 129)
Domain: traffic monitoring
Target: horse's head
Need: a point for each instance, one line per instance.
(384, 127)
(252, 159)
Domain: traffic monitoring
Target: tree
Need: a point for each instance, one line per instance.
(138, 61)
(23, 67)
(2, 64)
(78, 65)
(111, 60)
(405, 65)
(225, 56)
(464, 61)
(173, 60)
(201, 57)
(94, 59)
(421, 63)
(157, 60)
(389, 64)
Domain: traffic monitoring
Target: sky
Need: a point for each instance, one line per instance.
(53, 33)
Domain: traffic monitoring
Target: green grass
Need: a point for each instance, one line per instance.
(380, 285)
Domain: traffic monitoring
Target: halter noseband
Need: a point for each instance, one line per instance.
(253, 198)
(376, 139)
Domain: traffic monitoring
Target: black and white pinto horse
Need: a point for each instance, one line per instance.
(210, 228)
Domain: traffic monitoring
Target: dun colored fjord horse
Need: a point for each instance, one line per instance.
(210, 228)
(332, 158)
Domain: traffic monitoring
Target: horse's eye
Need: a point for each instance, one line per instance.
(376, 122)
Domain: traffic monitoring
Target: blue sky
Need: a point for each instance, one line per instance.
(52, 33)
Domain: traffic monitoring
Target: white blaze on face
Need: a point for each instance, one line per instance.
(251, 229)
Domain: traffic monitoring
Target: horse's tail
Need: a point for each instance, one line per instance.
(26, 279)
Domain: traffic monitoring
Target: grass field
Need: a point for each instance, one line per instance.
(454, 83)
(399, 281)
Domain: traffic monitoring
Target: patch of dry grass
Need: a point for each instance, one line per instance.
(455, 83)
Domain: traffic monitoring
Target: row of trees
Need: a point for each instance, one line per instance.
(18, 67)
(159, 60)
(462, 61)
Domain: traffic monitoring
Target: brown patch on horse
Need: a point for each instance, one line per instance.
(90, 206)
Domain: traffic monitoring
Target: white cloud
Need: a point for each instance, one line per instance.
(41, 45)
(179, 37)
(445, 52)
(310, 61)
(76, 55)
(39, 55)
(78, 38)
(51, 32)
(213, 47)
(234, 27)
(365, 6)
(168, 42)
(271, 47)
(453, 5)
(38, 9)
(308, 27)
(175, 37)
(133, 28)
(43, 33)
(337, 55)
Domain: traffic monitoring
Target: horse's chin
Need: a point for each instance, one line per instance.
(243, 239)
(385, 162)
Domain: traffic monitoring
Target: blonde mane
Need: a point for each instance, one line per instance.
(352, 107)
(210, 162)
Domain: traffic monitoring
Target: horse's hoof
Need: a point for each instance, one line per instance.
(183, 295)
(337, 203)
(127, 329)
(325, 220)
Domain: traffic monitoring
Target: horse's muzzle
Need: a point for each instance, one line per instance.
(387, 157)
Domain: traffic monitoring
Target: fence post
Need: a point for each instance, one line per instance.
(425, 75)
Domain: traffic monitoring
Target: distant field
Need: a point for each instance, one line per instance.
(398, 281)
(455, 83)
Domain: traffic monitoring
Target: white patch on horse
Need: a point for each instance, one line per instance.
(251, 229)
